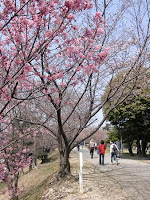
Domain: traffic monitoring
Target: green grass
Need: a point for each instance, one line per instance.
(35, 182)
(39, 180)
(126, 155)
(2, 186)
(36, 192)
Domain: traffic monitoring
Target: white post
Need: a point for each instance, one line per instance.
(80, 173)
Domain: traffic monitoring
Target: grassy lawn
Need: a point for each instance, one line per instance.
(126, 155)
(2, 186)
(35, 182)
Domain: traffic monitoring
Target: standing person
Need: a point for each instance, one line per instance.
(113, 152)
(78, 147)
(92, 144)
(95, 146)
(82, 144)
(118, 143)
(102, 149)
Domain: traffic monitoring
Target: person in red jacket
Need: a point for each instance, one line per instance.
(101, 147)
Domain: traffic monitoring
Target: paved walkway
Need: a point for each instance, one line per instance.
(132, 175)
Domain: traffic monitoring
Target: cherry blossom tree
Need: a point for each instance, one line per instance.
(28, 29)
(57, 52)
(46, 42)
(77, 69)
(72, 72)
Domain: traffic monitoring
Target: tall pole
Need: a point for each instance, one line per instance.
(80, 173)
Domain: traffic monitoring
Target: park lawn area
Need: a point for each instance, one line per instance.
(2, 186)
(35, 182)
(126, 155)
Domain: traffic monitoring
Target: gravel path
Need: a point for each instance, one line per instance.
(132, 175)
(130, 180)
(97, 184)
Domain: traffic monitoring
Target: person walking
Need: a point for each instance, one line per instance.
(95, 146)
(101, 147)
(92, 144)
(113, 152)
(78, 147)
(82, 144)
(118, 143)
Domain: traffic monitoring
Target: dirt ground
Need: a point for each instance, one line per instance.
(97, 185)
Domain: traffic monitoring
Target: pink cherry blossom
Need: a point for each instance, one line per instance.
(70, 16)
(57, 101)
(63, 84)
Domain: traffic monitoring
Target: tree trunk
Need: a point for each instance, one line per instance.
(30, 166)
(144, 145)
(14, 188)
(130, 150)
(44, 158)
(14, 197)
(64, 163)
(139, 152)
(35, 154)
(64, 149)
(35, 160)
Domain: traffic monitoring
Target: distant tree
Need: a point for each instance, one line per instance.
(132, 119)
(112, 132)
(45, 145)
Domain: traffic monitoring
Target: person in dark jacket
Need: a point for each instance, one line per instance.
(92, 144)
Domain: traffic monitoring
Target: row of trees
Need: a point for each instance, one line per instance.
(56, 62)
(131, 122)
(131, 119)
